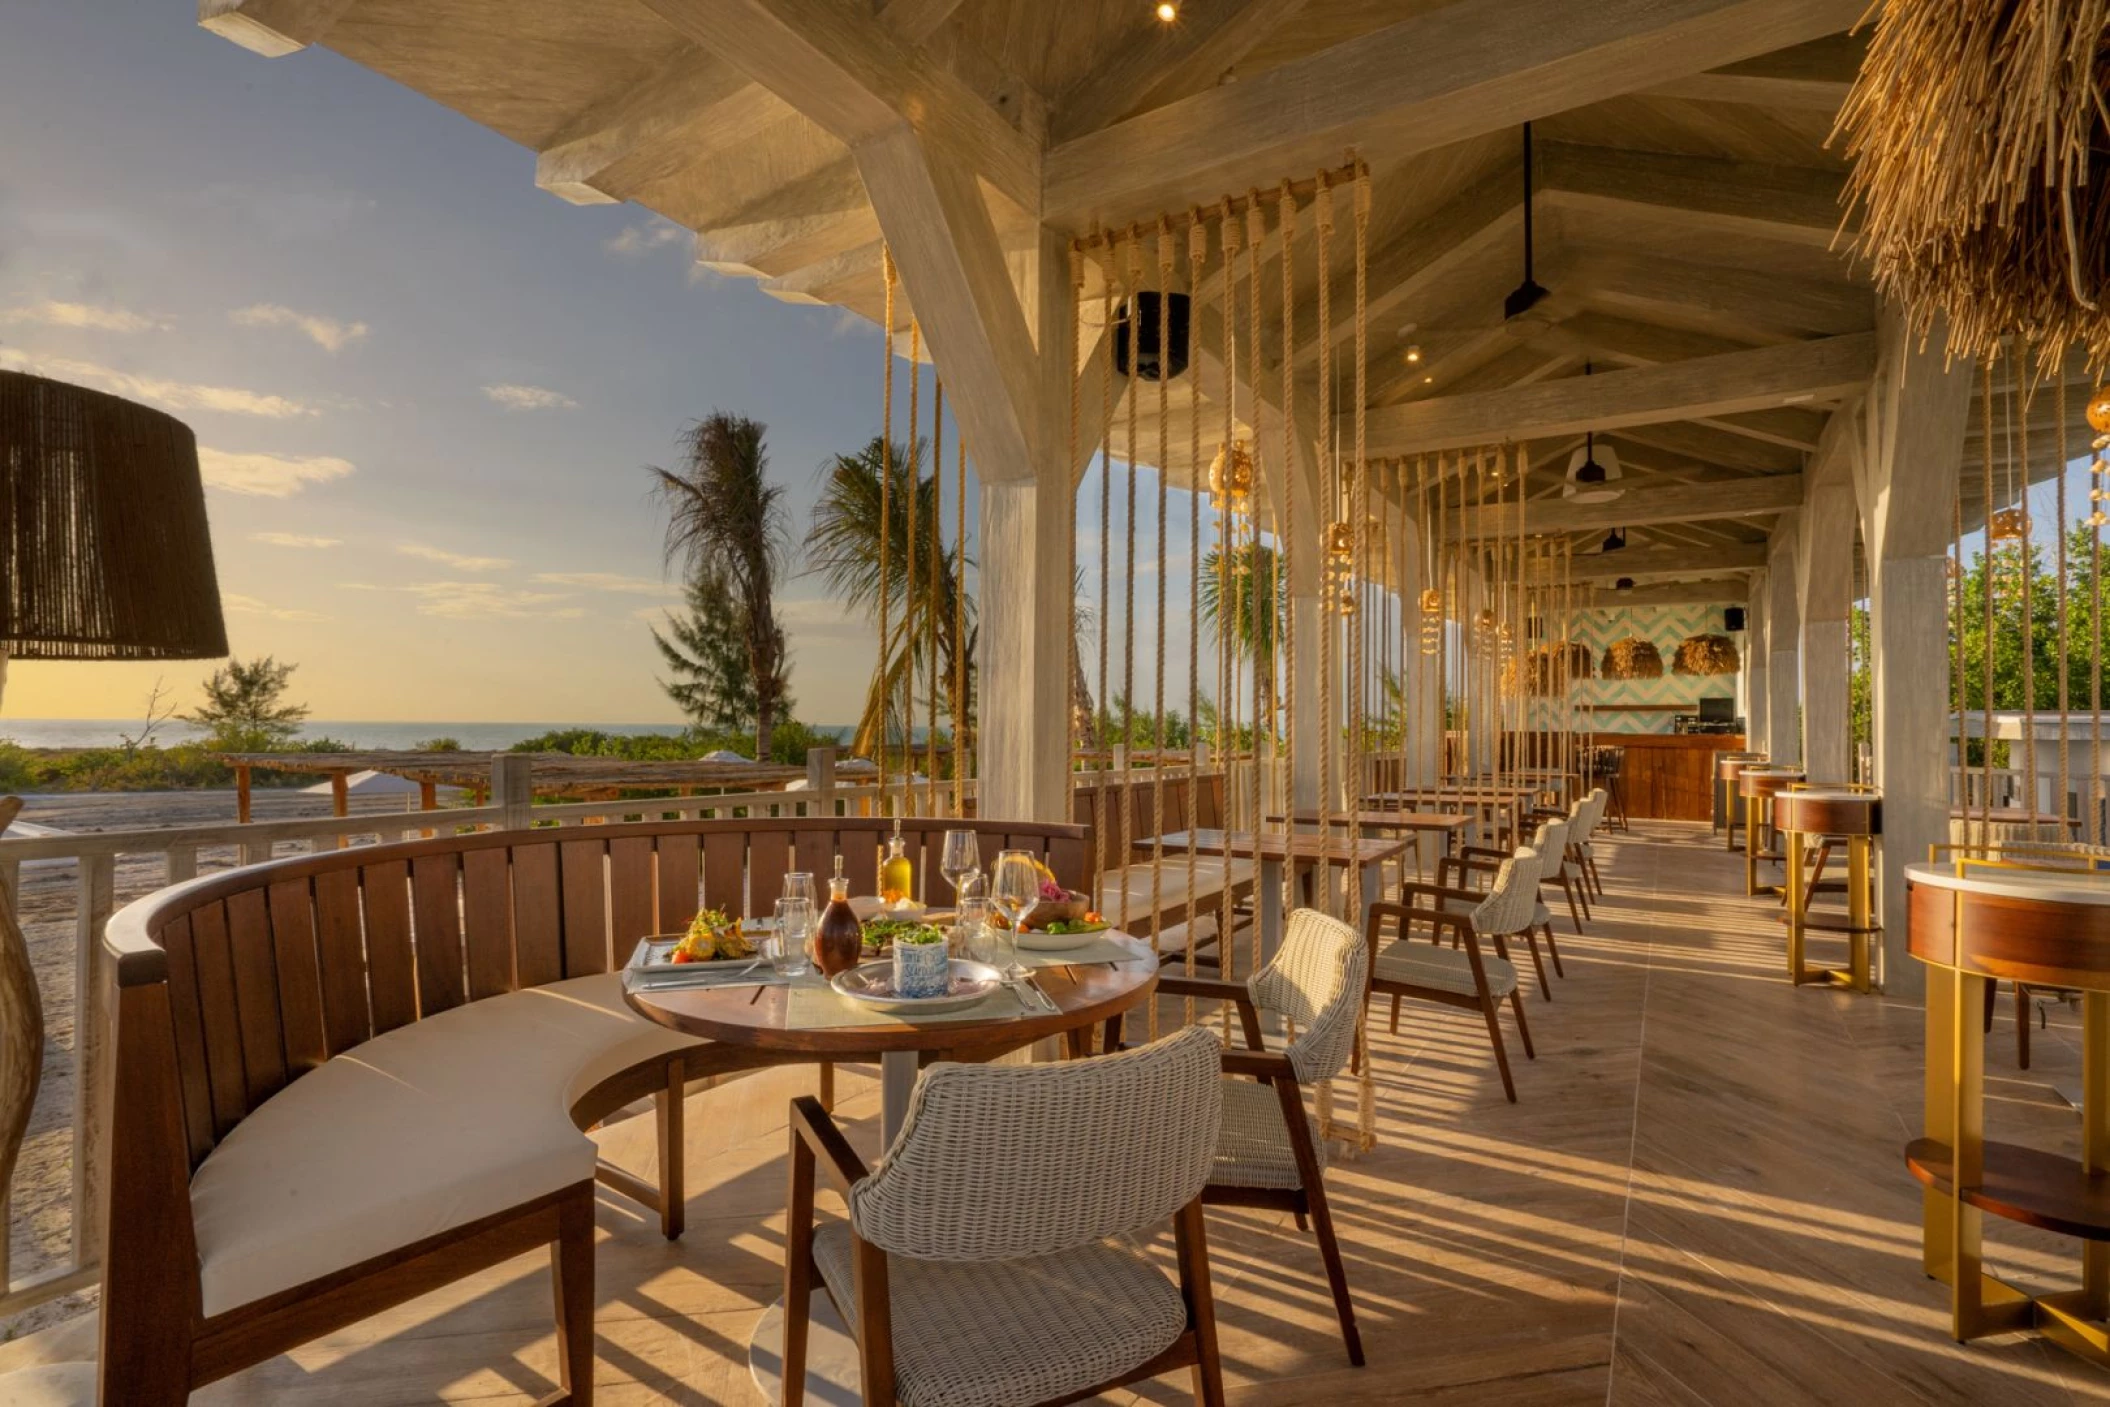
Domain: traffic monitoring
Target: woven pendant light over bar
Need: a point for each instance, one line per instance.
(104, 553)
(1700, 656)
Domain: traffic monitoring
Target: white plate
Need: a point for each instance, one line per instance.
(653, 955)
(873, 984)
(870, 906)
(1036, 940)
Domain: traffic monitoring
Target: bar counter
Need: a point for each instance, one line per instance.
(1670, 776)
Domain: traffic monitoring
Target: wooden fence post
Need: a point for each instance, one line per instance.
(513, 789)
(820, 780)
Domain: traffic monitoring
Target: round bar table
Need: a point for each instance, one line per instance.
(1757, 783)
(2045, 927)
(1726, 797)
(1085, 993)
(1832, 813)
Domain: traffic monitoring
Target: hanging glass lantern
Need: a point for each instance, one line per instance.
(1345, 602)
(1231, 477)
(1431, 620)
(2099, 421)
(1340, 541)
(2009, 525)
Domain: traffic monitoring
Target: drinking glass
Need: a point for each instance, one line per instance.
(961, 857)
(970, 929)
(787, 949)
(1015, 891)
(799, 885)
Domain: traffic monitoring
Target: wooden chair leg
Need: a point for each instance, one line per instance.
(1191, 1245)
(1516, 1004)
(1531, 941)
(1992, 994)
(2022, 1005)
(827, 1086)
(1554, 949)
(1568, 888)
(1336, 1271)
(1584, 890)
(571, 1275)
(1395, 1013)
(1494, 1034)
(669, 1105)
(1116, 1033)
(798, 1273)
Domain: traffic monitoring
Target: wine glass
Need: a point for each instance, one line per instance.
(961, 857)
(1015, 891)
(787, 951)
(799, 885)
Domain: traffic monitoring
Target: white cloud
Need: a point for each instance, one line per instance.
(516, 397)
(268, 475)
(250, 606)
(326, 333)
(487, 600)
(296, 540)
(656, 233)
(169, 395)
(461, 562)
(54, 313)
(815, 618)
(608, 581)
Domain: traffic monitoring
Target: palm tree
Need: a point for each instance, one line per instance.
(1255, 631)
(843, 546)
(707, 658)
(726, 526)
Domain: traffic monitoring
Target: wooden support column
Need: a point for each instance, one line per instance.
(1757, 695)
(1905, 462)
(1783, 645)
(1825, 573)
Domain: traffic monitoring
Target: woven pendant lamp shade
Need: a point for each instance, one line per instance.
(1703, 655)
(1633, 658)
(104, 553)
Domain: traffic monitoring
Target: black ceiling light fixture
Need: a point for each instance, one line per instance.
(1614, 541)
(1592, 475)
(1144, 324)
(1526, 295)
(1625, 583)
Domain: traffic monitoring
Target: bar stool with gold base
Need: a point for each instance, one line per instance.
(1757, 784)
(1971, 923)
(1728, 802)
(1839, 814)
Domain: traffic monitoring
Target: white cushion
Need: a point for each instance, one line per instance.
(413, 1133)
(994, 1333)
(51, 1385)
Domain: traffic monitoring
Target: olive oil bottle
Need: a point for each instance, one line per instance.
(897, 873)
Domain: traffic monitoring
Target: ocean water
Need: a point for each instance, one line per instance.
(378, 736)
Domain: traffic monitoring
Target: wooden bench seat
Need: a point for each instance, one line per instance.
(346, 1079)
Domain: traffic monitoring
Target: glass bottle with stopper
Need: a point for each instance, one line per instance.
(897, 873)
(839, 939)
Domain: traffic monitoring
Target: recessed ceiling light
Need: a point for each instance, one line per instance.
(1168, 12)
(1428, 380)
(1413, 354)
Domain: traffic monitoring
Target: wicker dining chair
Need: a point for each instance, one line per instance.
(1460, 976)
(1458, 871)
(1560, 866)
(986, 1262)
(1270, 1153)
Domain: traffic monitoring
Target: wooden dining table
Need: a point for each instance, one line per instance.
(1283, 855)
(759, 1014)
(1503, 807)
(1449, 827)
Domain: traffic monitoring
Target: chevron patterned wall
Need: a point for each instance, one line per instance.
(1665, 627)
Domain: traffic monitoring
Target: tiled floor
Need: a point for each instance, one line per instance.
(1700, 1199)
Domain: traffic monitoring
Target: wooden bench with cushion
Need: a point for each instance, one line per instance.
(343, 1080)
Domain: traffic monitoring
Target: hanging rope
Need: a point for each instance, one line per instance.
(1133, 270)
(1286, 219)
(2029, 619)
(886, 517)
(2059, 512)
(1102, 799)
(1197, 256)
(962, 744)
(1331, 519)
(1263, 660)
(908, 573)
(1986, 693)
(1230, 579)
(933, 598)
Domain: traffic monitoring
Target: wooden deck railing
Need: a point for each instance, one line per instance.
(60, 1263)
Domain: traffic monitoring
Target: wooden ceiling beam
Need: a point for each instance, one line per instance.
(1457, 72)
(1636, 508)
(1795, 203)
(1638, 562)
(1716, 293)
(1168, 61)
(854, 76)
(1734, 381)
(1682, 503)
(1689, 440)
(1728, 590)
(273, 28)
(1814, 77)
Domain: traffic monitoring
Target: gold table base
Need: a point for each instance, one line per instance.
(1859, 920)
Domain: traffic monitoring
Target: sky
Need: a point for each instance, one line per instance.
(424, 391)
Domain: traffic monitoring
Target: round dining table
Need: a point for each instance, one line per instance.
(1083, 995)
